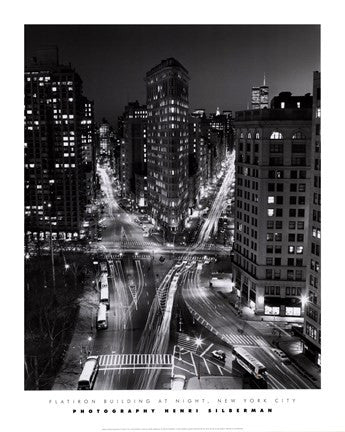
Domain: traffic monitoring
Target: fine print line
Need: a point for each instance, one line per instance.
(172, 429)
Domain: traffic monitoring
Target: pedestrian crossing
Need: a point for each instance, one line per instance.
(136, 243)
(248, 340)
(135, 361)
(186, 342)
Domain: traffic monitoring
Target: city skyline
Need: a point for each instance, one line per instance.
(153, 225)
(113, 60)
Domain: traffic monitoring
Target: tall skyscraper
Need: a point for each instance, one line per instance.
(58, 132)
(260, 96)
(255, 97)
(104, 139)
(133, 154)
(312, 324)
(273, 179)
(167, 142)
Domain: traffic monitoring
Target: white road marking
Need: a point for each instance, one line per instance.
(207, 349)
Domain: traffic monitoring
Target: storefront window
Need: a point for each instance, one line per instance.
(293, 311)
(271, 310)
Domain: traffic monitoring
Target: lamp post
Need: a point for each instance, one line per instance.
(198, 343)
(304, 302)
(51, 246)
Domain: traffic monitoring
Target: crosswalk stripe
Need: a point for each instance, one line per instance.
(107, 360)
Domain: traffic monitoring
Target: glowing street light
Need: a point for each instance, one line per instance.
(198, 342)
(67, 266)
(304, 300)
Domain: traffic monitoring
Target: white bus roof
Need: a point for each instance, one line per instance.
(102, 312)
(104, 292)
(248, 356)
(89, 366)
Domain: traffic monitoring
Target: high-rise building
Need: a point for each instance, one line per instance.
(312, 322)
(58, 132)
(167, 142)
(255, 97)
(104, 132)
(260, 96)
(133, 154)
(273, 181)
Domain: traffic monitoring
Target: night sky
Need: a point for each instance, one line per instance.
(224, 62)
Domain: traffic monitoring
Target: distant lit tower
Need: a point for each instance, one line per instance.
(264, 95)
(167, 144)
(255, 97)
(104, 138)
(260, 96)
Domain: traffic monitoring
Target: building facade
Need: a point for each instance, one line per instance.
(260, 96)
(273, 177)
(58, 131)
(312, 321)
(133, 154)
(167, 144)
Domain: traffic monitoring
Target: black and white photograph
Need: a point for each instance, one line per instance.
(162, 245)
(172, 207)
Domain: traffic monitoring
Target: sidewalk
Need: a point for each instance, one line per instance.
(281, 338)
(80, 346)
(214, 383)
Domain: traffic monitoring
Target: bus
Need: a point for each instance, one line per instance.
(104, 268)
(88, 376)
(102, 319)
(104, 291)
(249, 363)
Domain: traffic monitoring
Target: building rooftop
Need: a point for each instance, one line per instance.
(277, 114)
(167, 63)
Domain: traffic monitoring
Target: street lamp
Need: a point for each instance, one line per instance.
(198, 343)
(51, 246)
(304, 302)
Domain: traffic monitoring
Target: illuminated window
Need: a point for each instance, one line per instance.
(270, 200)
(270, 212)
(299, 249)
(298, 136)
(276, 135)
(282, 105)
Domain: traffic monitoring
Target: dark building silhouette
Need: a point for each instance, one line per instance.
(133, 154)
(59, 154)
